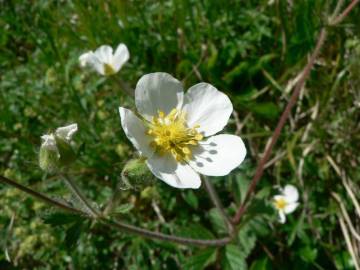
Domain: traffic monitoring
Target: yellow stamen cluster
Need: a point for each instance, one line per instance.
(171, 135)
(280, 203)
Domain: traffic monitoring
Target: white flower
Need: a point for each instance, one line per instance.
(104, 61)
(176, 131)
(64, 133)
(286, 202)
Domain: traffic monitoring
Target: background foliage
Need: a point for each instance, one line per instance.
(252, 50)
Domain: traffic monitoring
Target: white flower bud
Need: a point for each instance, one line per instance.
(56, 150)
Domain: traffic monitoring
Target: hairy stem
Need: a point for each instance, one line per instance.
(40, 196)
(166, 237)
(80, 196)
(125, 87)
(216, 201)
(117, 224)
(346, 12)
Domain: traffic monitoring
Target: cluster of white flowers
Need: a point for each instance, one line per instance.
(176, 132)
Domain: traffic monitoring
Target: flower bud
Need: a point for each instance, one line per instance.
(49, 155)
(56, 150)
(66, 152)
(137, 174)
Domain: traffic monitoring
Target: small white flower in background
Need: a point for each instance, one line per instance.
(286, 202)
(55, 150)
(176, 131)
(104, 61)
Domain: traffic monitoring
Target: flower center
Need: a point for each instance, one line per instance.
(280, 203)
(108, 69)
(171, 135)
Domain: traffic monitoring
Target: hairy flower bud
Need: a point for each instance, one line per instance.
(49, 159)
(137, 174)
(56, 150)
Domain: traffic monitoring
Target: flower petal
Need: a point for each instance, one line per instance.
(173, 173)
(90, 59)
(218, 155)
(291, 193)
(158, 92)
(67, 132)
(207, 107)
(282, 217)
(135, 130)
(291, 207)
(85, 58)
(121, 56)
(104, 53)
(48, 141)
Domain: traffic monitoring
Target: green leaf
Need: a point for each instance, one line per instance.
(261, 264)
(73, 234)
(58, 218)
(217, 221)
(296, 229)
(259, 207)
(196, 231)
(123, 208)
(236, 72)
(234, 259)
(241, 185)
(308, 254)
(200, 260)
(211, 63)
(191, 199)
(247, 240)
(268, 110)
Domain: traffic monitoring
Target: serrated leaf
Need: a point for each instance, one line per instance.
(73, 234)
(261, 264)
(259, 207)
(58, 218)
(241, 186)
(196, 231)
(217, 221)
(123, 208)
(234, 259)
(247, 240)
(201, 260)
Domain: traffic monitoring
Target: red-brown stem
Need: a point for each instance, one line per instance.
(260, 168)
(305, 73)
(115, 223)
(346, 12)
